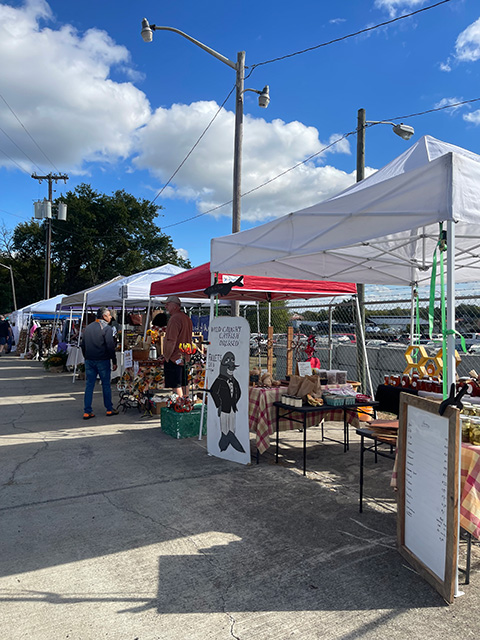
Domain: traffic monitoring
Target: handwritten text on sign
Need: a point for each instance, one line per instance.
(426, 469)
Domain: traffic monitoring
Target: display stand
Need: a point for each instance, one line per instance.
(427, 525)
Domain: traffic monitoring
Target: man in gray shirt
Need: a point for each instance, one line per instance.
(98, 348)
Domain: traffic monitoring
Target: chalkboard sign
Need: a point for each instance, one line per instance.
(427, 483)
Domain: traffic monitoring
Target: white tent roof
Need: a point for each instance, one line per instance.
(77, 299)
(44, 306)
(134, 289)
(382, 230)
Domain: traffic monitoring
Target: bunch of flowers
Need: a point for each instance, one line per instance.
(58, 359)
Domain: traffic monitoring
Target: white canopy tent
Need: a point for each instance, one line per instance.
(131, 291)
(382, 230)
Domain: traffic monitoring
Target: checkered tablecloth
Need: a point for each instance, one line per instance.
(261, 415)
(470, 498)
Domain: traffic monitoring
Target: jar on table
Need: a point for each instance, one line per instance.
(406, 380)
(386, 379)
(466, 425)
(474, 431)
(427, 384)
(395, 380)
(415, 381)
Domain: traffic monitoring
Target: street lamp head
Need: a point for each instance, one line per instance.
(403, 130)
(264, 97)
(147, 33)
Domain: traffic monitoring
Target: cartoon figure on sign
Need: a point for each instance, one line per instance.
(226, 393)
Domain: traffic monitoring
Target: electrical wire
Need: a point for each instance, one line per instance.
(193, 148)
(343, 137)
(29, 135)
(350, 35)
(14, 162)
(19, 148)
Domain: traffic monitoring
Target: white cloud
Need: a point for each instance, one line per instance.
(268, 150)
(394, 7)
(473, 118)
(183, 253)
(337, 20)
(467, 46)
(447, 101)
(57, 82)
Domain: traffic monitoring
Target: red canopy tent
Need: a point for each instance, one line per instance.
(192, 283)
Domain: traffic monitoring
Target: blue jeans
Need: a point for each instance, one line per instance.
(102, 368)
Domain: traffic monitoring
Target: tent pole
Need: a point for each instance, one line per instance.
(70, 325)
(122, 356)
(212, 306)
(412, 311)
(79, 339)
(451, 363)
(330, 344)
(147, 316)
(364, 350)
(258, 336)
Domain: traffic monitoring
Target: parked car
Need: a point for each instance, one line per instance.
(376, 343)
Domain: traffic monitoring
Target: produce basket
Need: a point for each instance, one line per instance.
(140, 354)
(349, 400)
(333, 400)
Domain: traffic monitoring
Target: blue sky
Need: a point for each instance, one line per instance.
(115, 112)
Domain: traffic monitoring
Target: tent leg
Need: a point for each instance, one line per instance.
(79, 340)
(364, 350)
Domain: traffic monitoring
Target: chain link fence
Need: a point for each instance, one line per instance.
(333, 326)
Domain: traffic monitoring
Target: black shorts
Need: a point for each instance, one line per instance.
(174, 375)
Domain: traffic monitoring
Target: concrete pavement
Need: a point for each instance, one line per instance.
(111, 529)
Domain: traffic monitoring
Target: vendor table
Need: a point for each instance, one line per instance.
(308, 416)
(388, 397)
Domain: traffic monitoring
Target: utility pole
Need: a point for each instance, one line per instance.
(51, 177)
(360, 328)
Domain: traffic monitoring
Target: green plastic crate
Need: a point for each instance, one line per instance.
(182, 425)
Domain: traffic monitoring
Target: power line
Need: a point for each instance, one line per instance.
(343, 137)
(193, 148)
(29, 134)
(350, 35)
(14, 162)
(19, 148)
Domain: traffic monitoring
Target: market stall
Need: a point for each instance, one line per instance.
(392, 228)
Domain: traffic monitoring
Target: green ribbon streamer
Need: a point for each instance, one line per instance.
(441, 247)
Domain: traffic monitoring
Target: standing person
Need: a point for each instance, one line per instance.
(179, 330)
(98, 348)
(4, 333)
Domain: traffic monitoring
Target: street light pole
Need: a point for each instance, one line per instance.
(405, 132)
(13, 284)
(239, 67)
(360, 324)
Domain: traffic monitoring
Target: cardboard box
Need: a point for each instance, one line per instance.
(157, 407)
(182, 425)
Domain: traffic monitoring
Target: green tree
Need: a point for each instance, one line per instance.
(280, 317)
(104, 236)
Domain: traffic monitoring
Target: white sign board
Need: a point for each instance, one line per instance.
(304, 368)
(128, 359)
(427, 480)
(228, 377)
(426, 469)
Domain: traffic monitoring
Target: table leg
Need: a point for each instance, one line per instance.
(345, 431)
(469, 552)
(362, 450)
(278, 430)
(304, 444)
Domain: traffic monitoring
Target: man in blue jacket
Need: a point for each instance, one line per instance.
(98, 348)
